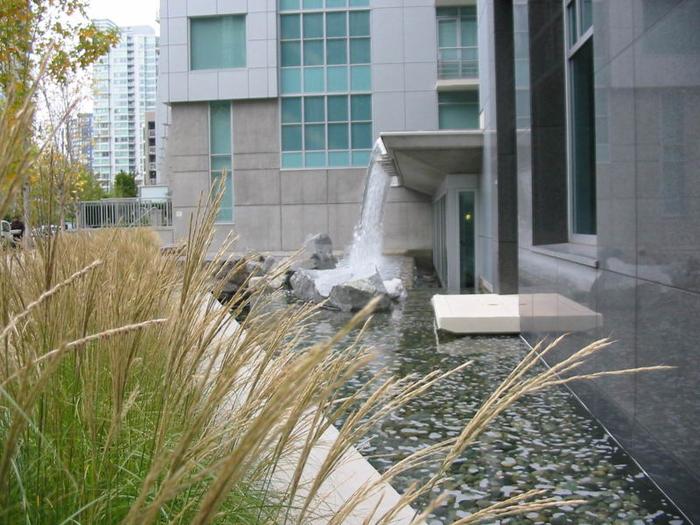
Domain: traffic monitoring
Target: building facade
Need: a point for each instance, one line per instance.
(150, 173)
(597, 136)
(80, 129)
(287, 101)
(124, 91)
(544, 147)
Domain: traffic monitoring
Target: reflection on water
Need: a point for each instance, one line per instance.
(546, 441)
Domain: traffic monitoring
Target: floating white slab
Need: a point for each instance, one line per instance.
(477, 314)
(511, 314)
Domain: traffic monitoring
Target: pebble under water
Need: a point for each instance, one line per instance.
(546, 441)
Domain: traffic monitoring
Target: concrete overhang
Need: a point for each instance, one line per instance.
(423, 159)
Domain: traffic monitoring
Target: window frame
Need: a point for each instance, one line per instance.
(571, 48)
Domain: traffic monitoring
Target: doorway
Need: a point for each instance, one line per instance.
(467, 231)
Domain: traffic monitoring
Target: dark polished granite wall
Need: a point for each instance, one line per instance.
(642, 279)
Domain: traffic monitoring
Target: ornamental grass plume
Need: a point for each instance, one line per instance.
(128, 394)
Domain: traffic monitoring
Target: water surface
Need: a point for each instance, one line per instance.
(546, 441)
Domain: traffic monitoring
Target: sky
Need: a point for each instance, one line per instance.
(126, 12)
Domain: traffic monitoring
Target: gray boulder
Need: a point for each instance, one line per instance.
(319, 254)
(304, 287)
(354, 295)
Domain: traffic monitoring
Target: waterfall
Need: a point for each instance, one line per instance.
(365, 253)
(364, 256)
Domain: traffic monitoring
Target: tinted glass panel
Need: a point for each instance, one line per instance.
(217, 42)
(583, 141)
(336, 24)
(290, 27)
(220, 123)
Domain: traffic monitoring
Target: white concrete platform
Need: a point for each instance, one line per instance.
(511, 314)
(477, 314)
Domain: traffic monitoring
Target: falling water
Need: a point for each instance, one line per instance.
(368, 240)
(365, 253)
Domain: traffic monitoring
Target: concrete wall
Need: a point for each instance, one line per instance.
(257, 80)
(276, 210)
(404, 65)
(643, 274)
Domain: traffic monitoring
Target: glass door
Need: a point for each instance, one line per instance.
(467, 234)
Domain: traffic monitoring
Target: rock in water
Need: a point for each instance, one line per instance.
(395, 289)
(354, 295)
(319, 249)
(304, 286)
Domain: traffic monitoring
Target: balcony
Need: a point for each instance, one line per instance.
(458, 63)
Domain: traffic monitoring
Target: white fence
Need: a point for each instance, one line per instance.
(125, 213)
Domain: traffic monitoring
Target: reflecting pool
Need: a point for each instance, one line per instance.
(545, 441)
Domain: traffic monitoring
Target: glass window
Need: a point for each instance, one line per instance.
(336, 24)
(338, 136)
(582, 119)
(361, 107)
(289, 5)
(314, 109)
(291, 54)
(338, 108)
(217, 42)
(291, 110)
(291, 80)
(313, 4)
(458, 110)
(220, 118)
(583, 183)
(291, 138)
(221, 161)
(457, 42)
(321, 129)
(313, 80)
(315, 137)
(361, 136)
(290, 28)
(360, 78)
(313, 52)
(359, 23)
(359, 51)
(313, 25)
(586, 15)
(337, 51)
(337, 79)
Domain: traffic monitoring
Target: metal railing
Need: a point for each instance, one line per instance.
(125, 213)
(458, 62)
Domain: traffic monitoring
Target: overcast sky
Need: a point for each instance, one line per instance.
(126, 12)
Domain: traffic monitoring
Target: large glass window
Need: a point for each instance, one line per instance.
(458, 109)
(582, 160)
(325, 83)
(221, 162)
(217, 42)
(458, 52)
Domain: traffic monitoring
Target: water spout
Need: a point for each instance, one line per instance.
(365, 253)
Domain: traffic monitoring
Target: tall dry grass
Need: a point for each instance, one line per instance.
(129, 395)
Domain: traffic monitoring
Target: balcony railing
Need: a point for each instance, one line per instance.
(458, 62)
(125, 213)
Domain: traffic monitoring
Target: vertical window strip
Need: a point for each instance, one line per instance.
(581, 116)
(221, 157)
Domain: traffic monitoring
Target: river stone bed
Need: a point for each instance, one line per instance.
(547, 441)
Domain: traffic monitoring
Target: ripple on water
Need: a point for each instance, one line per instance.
(546, 441)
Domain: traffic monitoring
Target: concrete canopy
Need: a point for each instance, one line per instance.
(423, 159)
